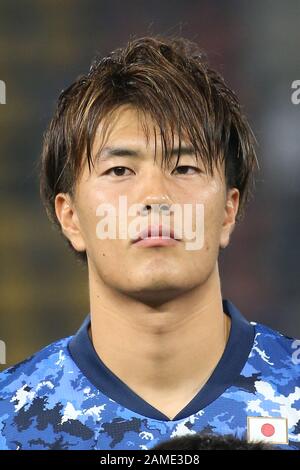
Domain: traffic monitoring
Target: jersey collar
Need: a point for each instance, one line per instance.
(232, 361)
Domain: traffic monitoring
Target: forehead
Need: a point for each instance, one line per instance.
(131, 125)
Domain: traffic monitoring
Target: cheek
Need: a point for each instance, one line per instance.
(107, 251)
(213, 219)
(88, 219)
(89, 199)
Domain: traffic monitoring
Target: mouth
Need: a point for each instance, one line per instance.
(156, 236)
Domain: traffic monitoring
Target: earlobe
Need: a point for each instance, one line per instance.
(68, 219)
(230, 213)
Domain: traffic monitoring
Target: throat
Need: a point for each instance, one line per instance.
(166, 370)
(172, 402)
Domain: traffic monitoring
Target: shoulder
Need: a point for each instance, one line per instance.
(280, 345)
(276, 354)
(18, 382)
(36, 399)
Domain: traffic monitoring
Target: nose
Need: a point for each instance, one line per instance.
(154, 194)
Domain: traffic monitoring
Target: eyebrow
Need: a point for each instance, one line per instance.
(108, 152)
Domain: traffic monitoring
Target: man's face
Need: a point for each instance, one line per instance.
(149, 273)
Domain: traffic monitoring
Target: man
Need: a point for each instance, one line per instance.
(151, 131)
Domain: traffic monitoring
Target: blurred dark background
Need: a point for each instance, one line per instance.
(44, 46)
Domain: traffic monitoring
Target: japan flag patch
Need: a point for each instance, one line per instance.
(264, 429)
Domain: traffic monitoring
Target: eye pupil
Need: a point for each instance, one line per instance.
(119, 170)
(183, 169)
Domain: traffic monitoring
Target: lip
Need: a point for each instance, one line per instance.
(157, 235)
(156, 241)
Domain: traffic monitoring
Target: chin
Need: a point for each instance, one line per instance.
(157, 291)
(154, 298)
(159, 279)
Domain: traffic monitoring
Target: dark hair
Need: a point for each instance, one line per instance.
(210, 442)
(166, 79)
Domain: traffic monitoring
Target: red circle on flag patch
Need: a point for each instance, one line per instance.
(267, 429)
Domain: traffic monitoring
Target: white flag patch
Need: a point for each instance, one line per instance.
(272, 430)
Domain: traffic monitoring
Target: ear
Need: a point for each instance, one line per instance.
(68, 218)
(230, 212)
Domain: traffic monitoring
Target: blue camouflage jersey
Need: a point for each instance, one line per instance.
(64, 397)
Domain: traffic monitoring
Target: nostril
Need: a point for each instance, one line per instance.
(145, 209)
(164, 207)
(161, 207)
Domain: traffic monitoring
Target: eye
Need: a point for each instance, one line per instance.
(183, 169)
(118, 171)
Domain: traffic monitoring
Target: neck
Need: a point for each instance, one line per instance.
(167, 351)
